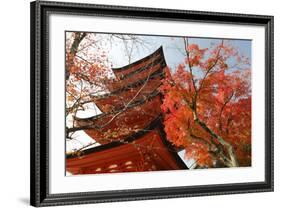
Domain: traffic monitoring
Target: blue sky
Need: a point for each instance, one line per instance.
(173, 49)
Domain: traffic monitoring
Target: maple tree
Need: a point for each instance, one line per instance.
(89, 74)
(87, 66)
(87, 71)
(207, 106)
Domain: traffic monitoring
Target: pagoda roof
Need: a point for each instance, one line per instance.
(107, 127)
(134, 100)
(120, 109)
(155, 123)
(135, 74)
(113, 102)
(151, 143)
(155, 55)
(130, 129)
(157, 74)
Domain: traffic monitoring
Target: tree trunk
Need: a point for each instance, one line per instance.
(232, 161)
(73, 50)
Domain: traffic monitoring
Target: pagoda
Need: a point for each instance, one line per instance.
(129, 129)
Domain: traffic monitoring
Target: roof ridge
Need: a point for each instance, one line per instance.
(159, 50)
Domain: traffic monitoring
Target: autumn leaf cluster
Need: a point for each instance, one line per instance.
(207, 106)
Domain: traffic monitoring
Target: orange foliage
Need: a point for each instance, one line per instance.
(87, 67)
(209, 96)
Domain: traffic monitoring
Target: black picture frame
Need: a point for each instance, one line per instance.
(39, 189)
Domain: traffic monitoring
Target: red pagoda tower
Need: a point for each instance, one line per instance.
(129, 129)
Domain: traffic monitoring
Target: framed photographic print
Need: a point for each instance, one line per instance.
(131, 103)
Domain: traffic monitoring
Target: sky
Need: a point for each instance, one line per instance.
(173, 49)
